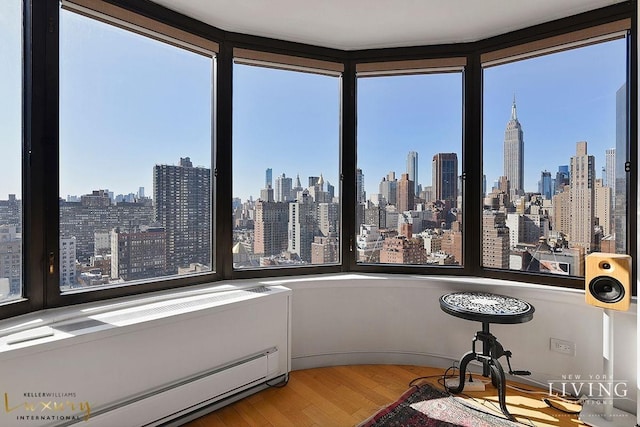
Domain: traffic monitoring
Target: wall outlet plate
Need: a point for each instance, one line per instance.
(562, 346)
(468, 385)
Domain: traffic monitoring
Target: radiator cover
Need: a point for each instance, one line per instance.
(145, 364)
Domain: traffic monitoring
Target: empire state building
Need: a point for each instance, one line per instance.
(514, 154)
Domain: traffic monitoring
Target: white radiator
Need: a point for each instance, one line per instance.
(146, 364)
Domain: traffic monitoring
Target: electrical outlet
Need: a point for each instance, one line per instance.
(475, 385)
(562, 346)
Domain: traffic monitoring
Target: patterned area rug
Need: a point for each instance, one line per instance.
(426, 406)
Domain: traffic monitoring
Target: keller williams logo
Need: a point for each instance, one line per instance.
(47, 407)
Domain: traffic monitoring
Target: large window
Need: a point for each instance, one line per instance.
(286, 152)
(555, 144)
(11, 264)
(119, 156)
(135, 155)
(408, 186)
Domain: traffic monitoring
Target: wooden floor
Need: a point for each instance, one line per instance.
(347, 395)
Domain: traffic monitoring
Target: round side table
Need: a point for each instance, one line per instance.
(487, 308)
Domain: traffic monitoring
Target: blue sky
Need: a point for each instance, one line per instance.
(10, 97)
(561, 99)
(399, 114)
(287, 121)
(128, 103)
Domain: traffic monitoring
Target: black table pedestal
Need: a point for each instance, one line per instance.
(487, 308)
(490, 365)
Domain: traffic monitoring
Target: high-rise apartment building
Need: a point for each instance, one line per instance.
(138, 253)
(67, 263)
(561, 220)
(582, 188)
(328, 218)
(266, 194)
(11, 212)
(11, 259)
(361, 195)
(182, 205)
(514, 153)
(302, 226)
(451, 242)
(388, 188)
(282, 189)
(412, 170)
(621, 183)
(270, 228)
(325, 249)
(495, 240)
(609, 178)
(405, 197)
(444, 170)
(96, 212)
(603, 207)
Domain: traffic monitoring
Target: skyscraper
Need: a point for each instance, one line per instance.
(610, 168)
(302, 226)
(388, 188)
(182, 204)
(268, 178)
(360, 193)
(282, 190)
(495, 240)
(11, 261)
(602, 207)
(412, 170)
(270, 236)
(444, 180)
(619, 196)
(514, 153)
(562, 178)
(545, 185)
(582, 188)
(405, 194)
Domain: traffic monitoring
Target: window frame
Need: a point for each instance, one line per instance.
(559, 44)
(416, 66)
(40, 147)
(251, 56)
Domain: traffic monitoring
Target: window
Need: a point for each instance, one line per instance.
(408, 185)
(555, 145)
(286, 151)
(108, 126)
(11, 147)
(135, 155)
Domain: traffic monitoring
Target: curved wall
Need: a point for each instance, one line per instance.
(396, 319)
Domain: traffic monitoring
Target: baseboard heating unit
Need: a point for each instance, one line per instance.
(154, 363)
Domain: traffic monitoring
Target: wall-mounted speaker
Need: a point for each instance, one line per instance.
(608, 280)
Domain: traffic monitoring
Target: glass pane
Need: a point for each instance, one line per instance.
(11, 148)
(135, 154)
(286, 148)
(409, 191)
(555, 143)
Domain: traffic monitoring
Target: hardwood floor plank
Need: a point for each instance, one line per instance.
(344, 396)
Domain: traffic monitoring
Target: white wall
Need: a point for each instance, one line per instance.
(396, 319)
(335, 320)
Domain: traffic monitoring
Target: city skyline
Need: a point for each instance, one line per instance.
(554, 111)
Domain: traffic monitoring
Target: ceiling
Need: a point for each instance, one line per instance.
(367, 24)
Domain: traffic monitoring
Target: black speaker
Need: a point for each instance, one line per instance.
(608, 280)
